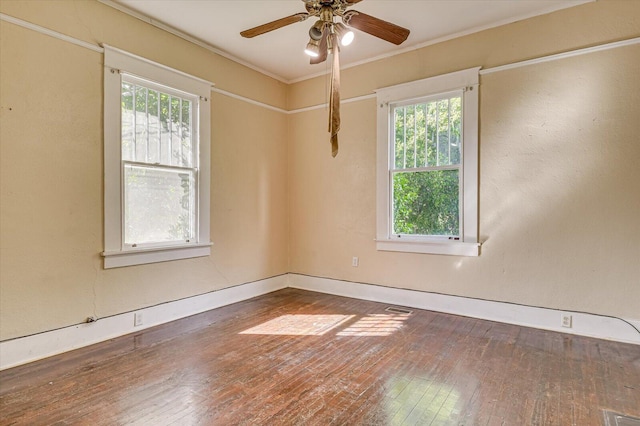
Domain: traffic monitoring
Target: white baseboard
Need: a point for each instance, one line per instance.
(32, 348)
(583, 324)
(38, 346)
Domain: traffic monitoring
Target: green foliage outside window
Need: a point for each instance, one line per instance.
(426, 176)
(426, 203)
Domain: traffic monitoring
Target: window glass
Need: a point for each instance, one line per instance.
(425, 173)
(426, 203)
(157, 153)
(159, 204)
(156, 126)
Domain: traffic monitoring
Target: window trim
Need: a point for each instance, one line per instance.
(468, 245)
(117, 62)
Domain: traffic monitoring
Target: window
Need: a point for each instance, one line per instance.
(157, 152)
(427, 177)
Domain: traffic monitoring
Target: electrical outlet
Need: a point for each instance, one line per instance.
(137, 319)
(354, 261)
(565, 321)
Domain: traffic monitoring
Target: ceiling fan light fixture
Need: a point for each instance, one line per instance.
(325, 38)
(313, 48)
(345, 35)
(315, 32)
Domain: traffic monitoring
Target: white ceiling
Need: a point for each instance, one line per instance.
(279, 53)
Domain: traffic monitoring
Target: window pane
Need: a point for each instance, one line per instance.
(442, 112)
(165, 130)
(420, 135)
(159, 204)
(428, 134)
(156, 127)
(128, 123)
(456, 129)
(176, 146)
(432, 131)
(141, 124)
(399, 145)
(410, 126)
(153, 130)
(185, 123)
(426, 203)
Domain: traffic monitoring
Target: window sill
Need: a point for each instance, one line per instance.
(451, 248)
(117, 259)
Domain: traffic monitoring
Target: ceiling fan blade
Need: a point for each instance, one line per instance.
(322, 48)
(350, 2)
(376, 27)
(274, 25)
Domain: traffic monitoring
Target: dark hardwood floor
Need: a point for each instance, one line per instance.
(303, 358)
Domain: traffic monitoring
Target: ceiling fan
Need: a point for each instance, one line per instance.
(325, 36)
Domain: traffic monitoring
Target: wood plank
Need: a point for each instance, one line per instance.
(374, 368)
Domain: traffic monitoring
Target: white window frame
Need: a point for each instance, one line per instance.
(466, 81)
(117, 63)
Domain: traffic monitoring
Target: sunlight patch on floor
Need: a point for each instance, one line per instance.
(300, 325)
(375, 325)
(418, 400)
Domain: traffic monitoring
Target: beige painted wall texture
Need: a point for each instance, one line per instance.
(51, 169)
(559, 191)
(559, 175)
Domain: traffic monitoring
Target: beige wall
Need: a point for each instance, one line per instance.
(559, 175)
(51, 272)
(559, 191)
